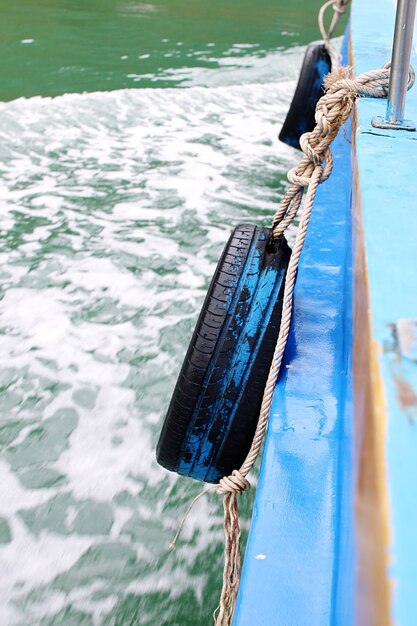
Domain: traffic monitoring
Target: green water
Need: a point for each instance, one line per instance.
(116, 198)
(51, 48)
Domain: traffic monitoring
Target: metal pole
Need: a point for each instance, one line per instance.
(400, 64)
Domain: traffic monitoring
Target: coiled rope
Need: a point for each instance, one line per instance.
(333, 109)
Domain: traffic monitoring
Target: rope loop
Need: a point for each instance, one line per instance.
(296, 179)
(339, 7)
(411, 75)
(235, 483)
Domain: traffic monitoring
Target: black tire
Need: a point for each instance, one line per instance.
(215, 405)
(300, 117)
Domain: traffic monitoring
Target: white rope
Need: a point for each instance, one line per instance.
(332, 110)
(173, 543)
(339, 7)
(315, 166)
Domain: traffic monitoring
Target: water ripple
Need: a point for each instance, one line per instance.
(114, 209)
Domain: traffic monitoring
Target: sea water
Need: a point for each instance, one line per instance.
(133, 137)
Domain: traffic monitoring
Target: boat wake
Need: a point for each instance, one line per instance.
(114, 208)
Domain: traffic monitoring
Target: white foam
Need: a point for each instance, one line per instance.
(115, 207)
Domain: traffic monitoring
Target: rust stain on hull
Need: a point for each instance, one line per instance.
(401, 349)
(373, 589)
(406, 394)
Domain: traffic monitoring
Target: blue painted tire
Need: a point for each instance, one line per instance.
(300, 117)
(214, 409)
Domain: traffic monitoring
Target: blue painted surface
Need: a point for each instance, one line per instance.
(388, 172)
(298, 567)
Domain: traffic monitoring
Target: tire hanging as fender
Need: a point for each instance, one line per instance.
(215, 406)
(300, 117)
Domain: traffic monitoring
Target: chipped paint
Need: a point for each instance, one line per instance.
(406, 394)
(406, 331)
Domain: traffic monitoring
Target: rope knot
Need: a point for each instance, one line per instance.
(310, 151)
(297, 179)
(235, 483)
